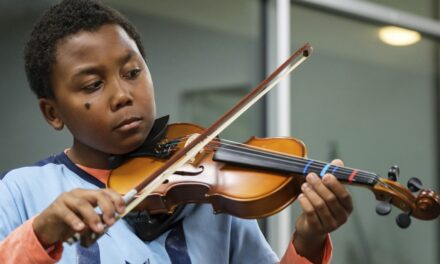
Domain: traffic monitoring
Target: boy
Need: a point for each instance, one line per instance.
(86, 65)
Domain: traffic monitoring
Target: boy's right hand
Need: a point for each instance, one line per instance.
(73, 212)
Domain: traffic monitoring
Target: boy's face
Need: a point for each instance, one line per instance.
(103, 91)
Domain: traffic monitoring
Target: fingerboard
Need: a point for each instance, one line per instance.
(240, 155)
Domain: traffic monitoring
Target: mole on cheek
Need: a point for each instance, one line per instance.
(87, 105)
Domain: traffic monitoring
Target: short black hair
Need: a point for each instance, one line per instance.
(63, 19)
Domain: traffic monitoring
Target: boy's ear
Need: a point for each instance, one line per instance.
(50, 113)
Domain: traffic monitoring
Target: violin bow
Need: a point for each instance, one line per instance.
(136, 195)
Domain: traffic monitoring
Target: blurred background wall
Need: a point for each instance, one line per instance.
(372, 104)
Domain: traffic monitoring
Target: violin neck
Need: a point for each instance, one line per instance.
(256, 158)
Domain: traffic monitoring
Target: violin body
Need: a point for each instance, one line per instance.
(241, 191)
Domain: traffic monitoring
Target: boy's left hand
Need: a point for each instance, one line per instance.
(326, 205)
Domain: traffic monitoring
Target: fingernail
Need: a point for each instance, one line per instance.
(79, 225)
(326, 177)
(304, 186)
(100, 226)
(312, 178)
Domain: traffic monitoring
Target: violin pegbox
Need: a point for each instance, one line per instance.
(425, 205)
(384, 206)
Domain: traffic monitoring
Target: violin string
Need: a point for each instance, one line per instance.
(244, 149)
(311, 168)
(317, 165)
(346, 173)
(237, 147)
(287, 159)
(301, 161)
(277, 156)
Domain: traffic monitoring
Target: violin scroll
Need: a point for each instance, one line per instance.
(428, 204)
(425, 205)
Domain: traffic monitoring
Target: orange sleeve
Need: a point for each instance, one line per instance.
(292, 257)
(23, 246)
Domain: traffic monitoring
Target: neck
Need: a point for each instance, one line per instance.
(89, 157)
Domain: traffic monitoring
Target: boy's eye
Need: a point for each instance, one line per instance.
(93, 87)
(133, 74)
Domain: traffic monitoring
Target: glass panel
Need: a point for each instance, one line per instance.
(194, 104)
(372, 105)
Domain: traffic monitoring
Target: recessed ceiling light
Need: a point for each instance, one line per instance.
(396, 36)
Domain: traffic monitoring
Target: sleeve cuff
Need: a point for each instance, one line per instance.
(49, 255)
(23, 246)
(291, 256)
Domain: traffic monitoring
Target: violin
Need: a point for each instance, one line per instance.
(184, 163)
(258, 178)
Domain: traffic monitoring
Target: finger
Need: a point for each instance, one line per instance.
(337, 162)
(320, 207)
(312, 219)
(117, 200)
(106, 207)
(70, 218)
(339, 190)
(106, 201)
(333, 204)
(84, 209)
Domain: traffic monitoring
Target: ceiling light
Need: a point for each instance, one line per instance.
(396, 36)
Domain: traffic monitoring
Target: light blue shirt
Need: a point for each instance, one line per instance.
(200, 237)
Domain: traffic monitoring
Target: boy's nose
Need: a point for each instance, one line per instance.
(121, 97)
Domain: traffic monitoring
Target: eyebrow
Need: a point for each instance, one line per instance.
(89, 70)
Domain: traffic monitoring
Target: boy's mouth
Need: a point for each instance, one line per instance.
(128, 124)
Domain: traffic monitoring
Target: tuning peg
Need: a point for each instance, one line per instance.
(383, 208)
(414, 184)
(393, 173)
(403, 220)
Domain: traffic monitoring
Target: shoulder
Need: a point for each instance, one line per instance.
(57, 170)
(42, 168)
(23, 191)
(30, 189)
(45, 178)
(38, 179)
